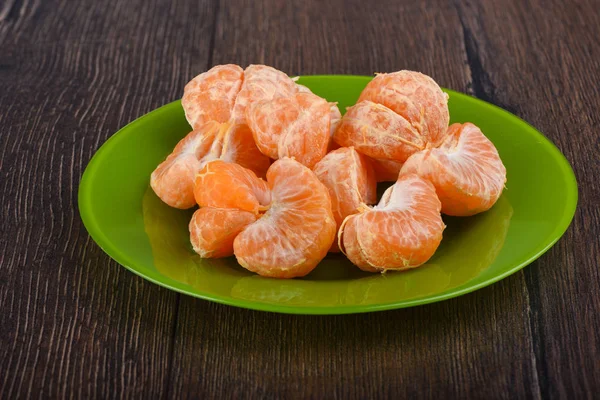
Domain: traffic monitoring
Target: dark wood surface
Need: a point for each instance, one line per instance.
(73, 323)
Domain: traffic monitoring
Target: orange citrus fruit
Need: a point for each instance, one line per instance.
(230, 198)
(377, 131)
(261, 83)
(215, 104)
(414, 96)
(173, 179)
(213, 230)
(350, 179)
(297, 126)
(396, 115)
(223, 184)
(211, 95)
(239, 147)
(335, 117)
(297, 229)
(466, 170)
(401, 232)
(222, 93)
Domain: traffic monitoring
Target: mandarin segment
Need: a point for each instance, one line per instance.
(397, 115)
(350, 247)
(306, 138)
(213, 230)
(261, 83)
(335, 118)
(334, 114)
(173, 179)
(378, 132)
(297, 126)
(403, 231)
(211, 95)
(294, 235)
(239, 147)
(267, 120)
(350, 180)
(414, 96)
(222, 184)
(466, 171)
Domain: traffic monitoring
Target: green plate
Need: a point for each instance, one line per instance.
(151, 239)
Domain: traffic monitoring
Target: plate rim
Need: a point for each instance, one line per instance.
(84, 199)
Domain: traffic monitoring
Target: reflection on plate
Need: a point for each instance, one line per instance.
(471, 245)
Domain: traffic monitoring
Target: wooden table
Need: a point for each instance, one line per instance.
(73, 323)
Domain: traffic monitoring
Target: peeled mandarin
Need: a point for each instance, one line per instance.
(211, 95)
(239, 147)
(213, 230)
(297, 230)
(378, 132)
(222, 184)
(397, 115)
(403, 231)
(334, 114)
(261, 83)
(222, 93)
(173, 180)
(297, 126)
(414, 96)
(466, 170)
(350, 179)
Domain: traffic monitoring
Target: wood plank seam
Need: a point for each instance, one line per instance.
(482, 84)
(537, 334)
(167, 394)
(170, 377)
(484, 88)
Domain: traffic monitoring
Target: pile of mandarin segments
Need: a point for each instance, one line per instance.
(281, 178)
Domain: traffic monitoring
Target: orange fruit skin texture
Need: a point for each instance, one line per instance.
(213, 230)
(297, 230)
(397, 115)
(403, 231)
(173, 179)
(211, 95)
(350, 180)
(297, 126)
(466, 170)
(386, 170)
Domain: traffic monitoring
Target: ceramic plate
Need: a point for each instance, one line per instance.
(136, 229)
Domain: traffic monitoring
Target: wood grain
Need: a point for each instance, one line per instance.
(479, 345)
(550, 57)
(75, 324)
(476, 346)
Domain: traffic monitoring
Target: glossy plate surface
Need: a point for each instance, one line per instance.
(135, 228)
